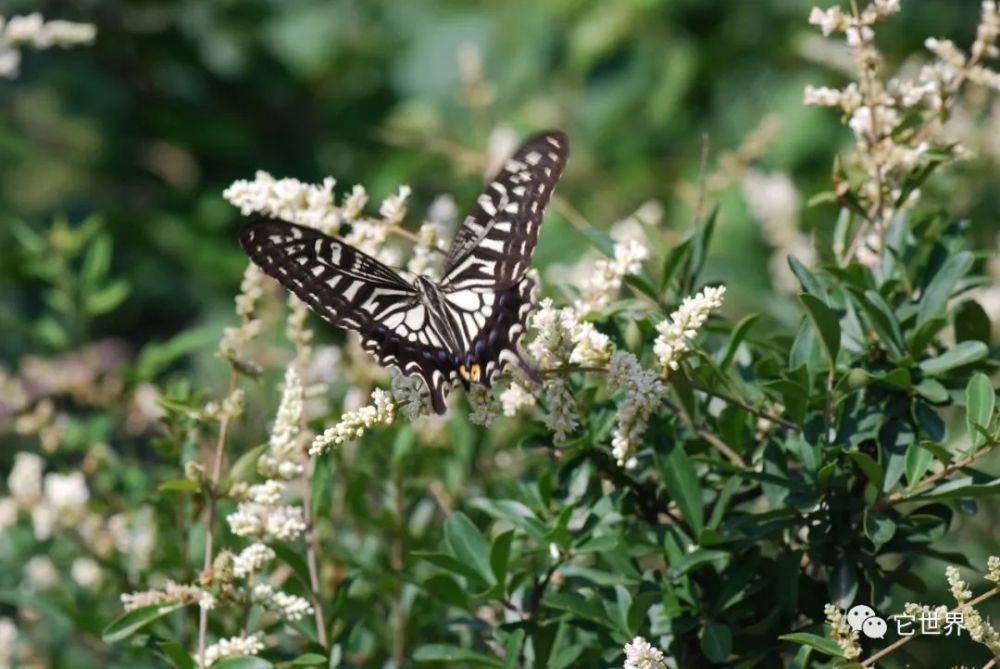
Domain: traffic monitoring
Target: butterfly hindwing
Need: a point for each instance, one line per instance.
(493, 247)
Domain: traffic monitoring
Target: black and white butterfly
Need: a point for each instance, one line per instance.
(465, 326)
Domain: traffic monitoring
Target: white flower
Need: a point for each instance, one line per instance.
(289, 607)
(67, 494)
(85, 572)
(252, 519)
(428, 242)
(553, 344)
(843, 633)
(282, 457)
(682, 325)
(237, 645)
(561, 417)
(353, 424)
(8, 637)
(959, 588)
(355, 202)
(287, 199)
(25, 478)
(606, 279)
(515, 399)
(267, 493)
(40, 572)
(252, 558)
(643, 394)
(993, 569)
(591, 348)
(410, 395)
(640, 654)
(484, 405)
(393, 208)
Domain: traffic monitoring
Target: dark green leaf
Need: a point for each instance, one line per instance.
(310, 660)
(716, 641)
(444, 588)
(468, 544)
(681, 481)
(937, 293)
(826, 323)
(740, 332)
(820, 643)
(697, 558)
(177, 655)
(444, 653)
(972, 323)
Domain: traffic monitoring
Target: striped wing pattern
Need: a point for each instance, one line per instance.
(494, 245)
(467, 327)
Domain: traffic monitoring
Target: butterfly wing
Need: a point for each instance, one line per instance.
(493, 247)
(350, 289)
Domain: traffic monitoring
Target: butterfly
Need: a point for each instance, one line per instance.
(467, 325)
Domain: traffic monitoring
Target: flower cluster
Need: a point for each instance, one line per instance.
(288, 199)
(888, 145)
(643, 392)
(239, 645)
(640, 654)
(842, 632)
(682, 325)
(605, 280)
(35, 32)
(353, 424)
(235, 340)
(171, 592)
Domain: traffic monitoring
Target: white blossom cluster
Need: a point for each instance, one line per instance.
(682, 325)
(252, 559)
(237, 645)
(8, 637)
(170, 593)
(288, 607)
(288, 199)
(604, 282)
(516, 399)
(283, 459)
(353, 424)
(980, 630)
(643, 392)
(842, 632)
(235, 340)
(875, 109)
(640, 654)
(35, 32)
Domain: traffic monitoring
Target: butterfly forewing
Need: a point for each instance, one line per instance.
(493, 247)
(353, 290)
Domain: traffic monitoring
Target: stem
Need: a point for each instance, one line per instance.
(898, 497)
(220, 452)
(719, 445)
(398, 552)
(311, 551)
(571, 213)
(870, 662)
(729, 399)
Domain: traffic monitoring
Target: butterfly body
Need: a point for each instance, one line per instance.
(465, 327)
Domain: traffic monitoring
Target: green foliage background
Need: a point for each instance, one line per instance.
(178, 99)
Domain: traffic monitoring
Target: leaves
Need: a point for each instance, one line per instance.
(681, 480)
(131, 622)
(468, 544)
(964, 353)
(980, 402)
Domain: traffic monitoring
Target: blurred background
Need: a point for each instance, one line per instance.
(141, 132)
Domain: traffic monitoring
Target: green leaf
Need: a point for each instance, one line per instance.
(681, 481)
(294, 560)
(972, 323)
(245, 467)
(96, 261)
(918, 459)
(961, 354)
(177, 655)
(980, 401)
(826, 323)
(512, 649)
(599, 239)
(500, 555)
(879, 527)
(740, 332)
(444, 588)
(437, 652)
(868, 465)
(452, 564)
(932, 391)
(574, 603)
(694, 560)
(716, 641)
(131, 622)
(820, 643)
(673, 262)
(310, 660)
(242, 662)
(179, 485)
(702, 236)
(935, 297)
(809, 282)
(843, 584)
(155, 357)
(107, 298)
(468, 544)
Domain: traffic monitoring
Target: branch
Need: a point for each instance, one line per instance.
(220, 450)
(898, 497)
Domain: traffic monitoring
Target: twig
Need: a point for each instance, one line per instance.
(898, 497)
(570, 213)
(220, 450)
(311, 552)
(702, 179)
(870, 662)
(729, 399)
(719, 445)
